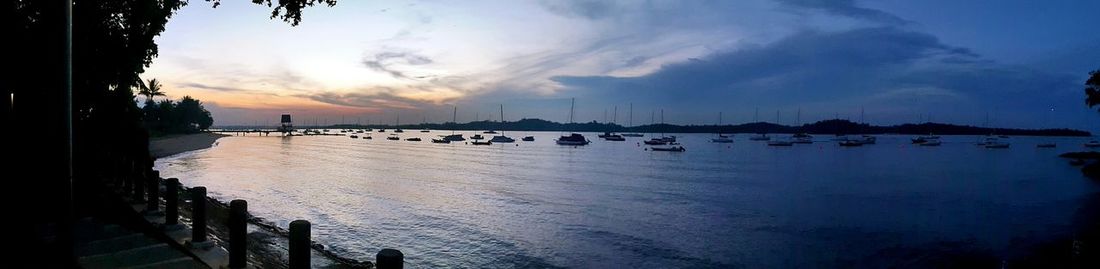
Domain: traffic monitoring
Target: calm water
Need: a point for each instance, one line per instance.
(612, 204)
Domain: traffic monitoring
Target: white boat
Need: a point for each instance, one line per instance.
(477, 137)
(1092, 144)
(850, 143)
(933, 142)
(868, 139)
(995, 143)
(802, 138)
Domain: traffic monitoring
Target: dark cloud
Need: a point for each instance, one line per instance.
(210, 87)
(385, 61)
(847, 8)
(893, 72)
(377, 99)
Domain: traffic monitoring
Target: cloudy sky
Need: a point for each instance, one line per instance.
(1020, 62)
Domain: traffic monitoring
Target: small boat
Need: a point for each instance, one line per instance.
(501, 139)
(477, 137)
(605, 134)
(673, 149)
(867, 139)
(919, 140)
(1092, 144)
(359, 131)
(398, 131)
(760, 137)
(528, 138)
(454, 137)
(1046, 145)
(414, 139)
(780, 143)
(354, 136)
(932, 142)
(486, 143)
(721, 140)
(425, 131)
(850, 143)
(489, 132)
(632, 135)
(381, 130)
(368, 137)
(574, 139)
(441, 141)
(393, 137)
(997, 145)
(614, 138)
(655, 141)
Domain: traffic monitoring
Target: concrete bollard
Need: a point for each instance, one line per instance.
(238, 233)
(153, 185)
(198, 214)
(171, 201)
(389, 259)
(299, 244)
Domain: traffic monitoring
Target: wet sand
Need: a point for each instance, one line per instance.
(175, 144)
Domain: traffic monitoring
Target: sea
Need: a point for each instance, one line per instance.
(620, 205)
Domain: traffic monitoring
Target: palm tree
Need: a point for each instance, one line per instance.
(150, 90)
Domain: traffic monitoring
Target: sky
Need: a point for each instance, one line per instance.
(1003, 63)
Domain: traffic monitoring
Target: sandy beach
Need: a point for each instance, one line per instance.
(176, 144)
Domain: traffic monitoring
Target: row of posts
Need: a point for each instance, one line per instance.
(299, 250)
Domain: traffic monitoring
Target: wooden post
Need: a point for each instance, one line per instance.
(153, 184)
(238, 233)
(299, 244)
(198, 214)
(139, 185)
(389, 259)
(171, 201)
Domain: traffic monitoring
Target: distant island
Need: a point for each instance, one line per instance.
(834, 126)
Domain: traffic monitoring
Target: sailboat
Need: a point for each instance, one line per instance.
(652, 122)
(865, 139)
(425, 123)
(801, 137)
(779, 142)
(1046, 144)
(397, 125)
(721, 137)
(664, 140)
(612, 135)
(501, 138)
(573, 139)
(631, 123)
(453, 136)
(758, 136)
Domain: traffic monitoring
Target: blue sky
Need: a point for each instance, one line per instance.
(1021, 62)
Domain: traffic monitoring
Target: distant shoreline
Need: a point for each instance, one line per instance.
(175, 144)
(825, 127)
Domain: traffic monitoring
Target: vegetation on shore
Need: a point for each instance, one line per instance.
(834, 126)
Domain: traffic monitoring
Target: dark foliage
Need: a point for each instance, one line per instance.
(821, 127)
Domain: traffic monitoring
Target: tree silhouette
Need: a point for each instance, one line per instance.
(151, 89)
(1092, 89)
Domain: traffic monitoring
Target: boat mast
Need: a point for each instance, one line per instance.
(502, 119)
(631, 114)
(454, 120)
